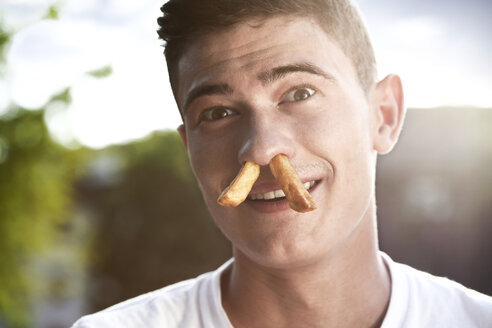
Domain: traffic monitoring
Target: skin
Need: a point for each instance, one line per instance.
(315, 269)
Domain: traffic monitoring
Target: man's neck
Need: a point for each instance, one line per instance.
(348, 288)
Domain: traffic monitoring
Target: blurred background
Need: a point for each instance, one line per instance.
(97, 200)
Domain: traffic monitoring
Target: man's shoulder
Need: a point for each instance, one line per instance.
(419, 297)
(442, 288)
(166, 307)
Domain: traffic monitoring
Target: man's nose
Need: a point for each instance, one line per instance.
(265, 137)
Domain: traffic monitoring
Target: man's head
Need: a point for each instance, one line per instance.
(185, 21)
(281, 84)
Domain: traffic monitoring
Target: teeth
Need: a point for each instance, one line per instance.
(278, 193)
(269, 195)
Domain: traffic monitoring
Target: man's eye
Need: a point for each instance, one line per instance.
(298, 94)
(216, 113)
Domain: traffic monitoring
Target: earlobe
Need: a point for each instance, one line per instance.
(182, 132)
(390, 108)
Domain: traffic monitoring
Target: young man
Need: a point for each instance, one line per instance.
(254, 79)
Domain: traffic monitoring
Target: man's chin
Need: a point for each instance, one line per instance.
(289, 256)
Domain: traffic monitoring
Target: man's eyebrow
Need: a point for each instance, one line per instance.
(265, 77)
(281, 71)
(207, 90)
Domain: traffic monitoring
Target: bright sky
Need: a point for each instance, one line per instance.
(440, 48)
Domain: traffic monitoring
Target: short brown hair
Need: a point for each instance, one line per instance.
(184, 20)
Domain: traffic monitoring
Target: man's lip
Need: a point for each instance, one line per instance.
(267, 186)
(279, 205)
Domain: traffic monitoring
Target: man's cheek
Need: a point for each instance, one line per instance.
(210, 171)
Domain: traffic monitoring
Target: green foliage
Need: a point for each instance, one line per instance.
(35, 191)
(52, 13)
(64, 96)
(4, 38)
(4, 41)
(101, 72)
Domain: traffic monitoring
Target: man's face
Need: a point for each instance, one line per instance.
(280, 85)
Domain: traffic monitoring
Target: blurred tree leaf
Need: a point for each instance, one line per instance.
(101, 72)
(4, 38)
(4, 41)
(64, 96)
(52, 13)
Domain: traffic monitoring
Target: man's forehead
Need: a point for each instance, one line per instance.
(253, 63)
(246, 45)
(249, 48)
(250, 34)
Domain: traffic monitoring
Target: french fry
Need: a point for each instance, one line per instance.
(298, 197)
(240, 187)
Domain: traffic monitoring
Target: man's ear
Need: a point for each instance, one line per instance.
(182, 133)
(390, 113)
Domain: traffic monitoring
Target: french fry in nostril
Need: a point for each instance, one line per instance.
(240, 187)
(298, 197)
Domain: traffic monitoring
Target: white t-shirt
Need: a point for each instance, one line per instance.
(418, 300)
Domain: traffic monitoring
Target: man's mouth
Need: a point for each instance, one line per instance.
(278, 194)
